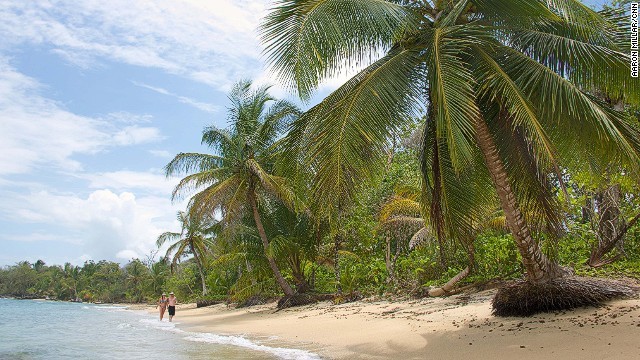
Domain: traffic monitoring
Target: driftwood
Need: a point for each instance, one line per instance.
(448, 287)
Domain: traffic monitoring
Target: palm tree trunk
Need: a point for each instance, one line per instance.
(199, 264)
(539, 268)
(336, 263)
(391, 276)
(286, 288)
(597, 254)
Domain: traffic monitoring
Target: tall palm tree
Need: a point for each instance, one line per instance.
(238, 178)
(193, 238)
(504, 84)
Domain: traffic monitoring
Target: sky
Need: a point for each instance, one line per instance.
(96, 97)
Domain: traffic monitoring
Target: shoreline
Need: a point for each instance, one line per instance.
(460, 326)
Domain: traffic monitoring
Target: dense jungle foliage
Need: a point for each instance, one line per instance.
(490, 140)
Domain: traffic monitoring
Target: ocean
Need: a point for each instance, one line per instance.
(61, 330)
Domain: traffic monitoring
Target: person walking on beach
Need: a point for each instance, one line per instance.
(173, 300)
(162, 303)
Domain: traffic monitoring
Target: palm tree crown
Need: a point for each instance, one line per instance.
(238, 176)
(506, 86)
(195, 238)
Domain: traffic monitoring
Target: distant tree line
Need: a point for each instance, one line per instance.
(102, 281)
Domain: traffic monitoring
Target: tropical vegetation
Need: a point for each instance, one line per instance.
(481, 141)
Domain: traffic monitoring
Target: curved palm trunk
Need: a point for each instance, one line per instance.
(539, 268)
(597, 259)
(200, 269)
(286, 288)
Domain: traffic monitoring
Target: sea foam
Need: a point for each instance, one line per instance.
(283, 353)
(238, 341)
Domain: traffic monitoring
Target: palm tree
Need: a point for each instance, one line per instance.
(158, 273)
(193, 238)
(240, 173)
(295, 241)
(504, 85)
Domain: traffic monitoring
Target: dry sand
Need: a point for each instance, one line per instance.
(458, 327)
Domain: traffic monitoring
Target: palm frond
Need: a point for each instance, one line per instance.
(345, 135)
(421, 237)
(167, 237)
(566, 109)
(275, 185)
(188, 162)
(216, 138)
(275, 121)
(498, 86)
(215, 196)
(581, 59)
(451, 92)
(307, 41)
(399, 205)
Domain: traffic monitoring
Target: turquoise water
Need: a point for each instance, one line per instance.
(60, 330)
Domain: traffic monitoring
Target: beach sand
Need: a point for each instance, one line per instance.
(457, 327)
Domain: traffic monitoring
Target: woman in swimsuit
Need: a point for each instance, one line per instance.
(162, 303)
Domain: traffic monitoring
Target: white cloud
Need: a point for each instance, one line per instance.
(41, 236)
(128, 255)
(128, 118)
(159, 153)
(210, 108)
(104, 225)
(36, 131)
(132, 135)
(153, 181)
(214, 42)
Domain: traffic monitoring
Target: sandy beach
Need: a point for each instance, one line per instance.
(457, 327)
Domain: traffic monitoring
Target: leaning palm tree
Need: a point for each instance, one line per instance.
(238, 177)
(505, 86)
(194, 238)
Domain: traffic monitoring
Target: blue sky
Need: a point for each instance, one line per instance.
(95, 98)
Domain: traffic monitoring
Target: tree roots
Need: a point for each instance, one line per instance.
(522, 298)
(207, 302)
(298, 300)
(258, 299)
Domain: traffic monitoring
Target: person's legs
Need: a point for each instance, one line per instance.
(172, 312)
(162, 309)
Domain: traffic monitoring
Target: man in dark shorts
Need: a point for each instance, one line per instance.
(173, 301)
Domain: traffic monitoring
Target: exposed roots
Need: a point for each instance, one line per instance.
(254, 300)
(302, 299)
(522, 298)
(347, 297)
(206, 302)
(298, 300)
